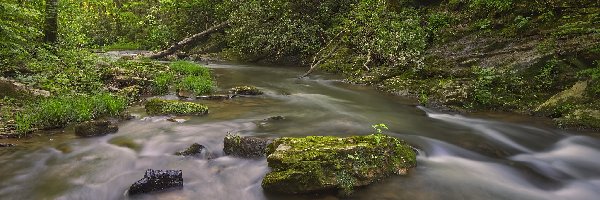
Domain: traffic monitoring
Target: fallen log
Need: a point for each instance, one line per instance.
(186, 41)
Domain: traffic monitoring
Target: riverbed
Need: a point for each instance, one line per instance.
(475, 156)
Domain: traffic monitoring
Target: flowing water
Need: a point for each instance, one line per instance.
(460, 157)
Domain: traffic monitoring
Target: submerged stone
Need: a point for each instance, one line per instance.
(216, 97)
(327, 163)
(174, 107)
(245, 147)
(125, 141)
(245, 90)
(95, 128)
(6, 145)
(157, 180)
(194, 150)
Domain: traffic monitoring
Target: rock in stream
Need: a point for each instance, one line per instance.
(326, 163)
(95, 128)
(245, 147)
(195, 150)
(157, 180)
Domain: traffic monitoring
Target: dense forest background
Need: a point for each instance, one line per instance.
(538, 57)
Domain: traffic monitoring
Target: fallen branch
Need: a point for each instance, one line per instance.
(186, 41)
(314, 65)
(316, 62)
(368, 61)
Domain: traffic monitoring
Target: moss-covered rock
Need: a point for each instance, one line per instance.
(125, 141)
(173, 107)
(245, 90)
(194, 150)
(560, 102)
(245, 147)
(95, 128)
(325, 163)
(580, 118)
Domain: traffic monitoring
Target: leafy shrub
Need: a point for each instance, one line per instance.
(189, 68)
(161, 82)
(197, 84)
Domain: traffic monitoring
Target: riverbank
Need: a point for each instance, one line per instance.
(62, 93)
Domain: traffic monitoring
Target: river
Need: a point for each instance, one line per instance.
(479, 156)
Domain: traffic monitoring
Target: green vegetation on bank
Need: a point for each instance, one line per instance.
(512, 55)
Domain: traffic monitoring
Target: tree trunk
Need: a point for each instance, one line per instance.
(51, 22)
(186, 41)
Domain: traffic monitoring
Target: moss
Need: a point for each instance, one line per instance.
(245, 90)
(320, 163)
(126, 142)
(167, 107)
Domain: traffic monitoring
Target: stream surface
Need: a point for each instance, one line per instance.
(485, 156)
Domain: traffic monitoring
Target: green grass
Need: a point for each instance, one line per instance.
(189, 68)
(196, 84)
(193, 77)
(60, 111)
(161, 82)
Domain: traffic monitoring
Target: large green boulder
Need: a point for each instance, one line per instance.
(174, 107)
(327, 163)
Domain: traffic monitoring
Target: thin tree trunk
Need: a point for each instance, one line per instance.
(314, 66)
(51, 22)
(188, 40)
(315, 63)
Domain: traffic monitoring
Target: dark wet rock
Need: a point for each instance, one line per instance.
(245, 90)
(326, 163)
(173, 107)
(216, 97)
(185, 94)
(6, 145)
(95, 128)
(275, 118)
(157, 180)
(194, 150)
(245, 147)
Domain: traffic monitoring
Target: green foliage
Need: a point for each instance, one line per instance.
(19, 29)
(60, 111)
(379, 127)
(593, 75)
(63, 71)
(193, 77)
(197, 84)
(162, 82)
(275, 29)
(437, 23)
(487, 79)
(189, 68)
(394, 38)
(548, 75)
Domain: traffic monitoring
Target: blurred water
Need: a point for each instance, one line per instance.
(460, 157)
